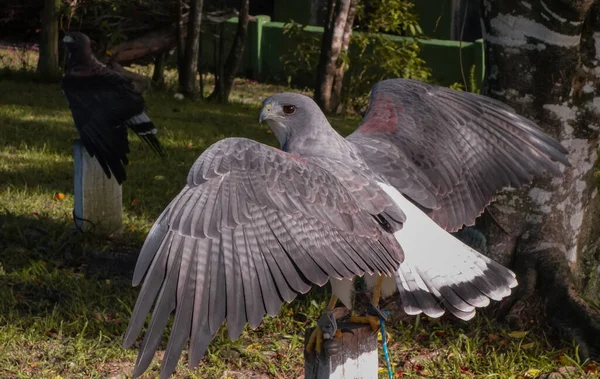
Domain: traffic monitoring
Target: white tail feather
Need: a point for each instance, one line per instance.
(439, 269)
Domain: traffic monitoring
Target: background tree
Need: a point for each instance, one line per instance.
(48, 67)
(189, 65)
(226, 75)
(340, 17)
(541, 58)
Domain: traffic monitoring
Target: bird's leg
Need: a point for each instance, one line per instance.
(373, 314)
(326, 328)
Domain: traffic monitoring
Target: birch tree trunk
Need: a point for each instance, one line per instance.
(224, 82)
(333, 38)
(47, 67)
(537, 60)
(189, 66)
(338, 79)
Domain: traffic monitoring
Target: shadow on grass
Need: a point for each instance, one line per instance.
(21, 133)
(60, 245)
(22, 91)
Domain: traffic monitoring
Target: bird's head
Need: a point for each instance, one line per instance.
(77, 43)
(291, 114)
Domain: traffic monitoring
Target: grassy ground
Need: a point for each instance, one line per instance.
(65, 297)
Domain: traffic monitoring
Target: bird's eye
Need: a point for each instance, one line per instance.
(289, 109)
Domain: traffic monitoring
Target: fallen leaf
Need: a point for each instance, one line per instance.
(254, 346)
(52, 333)
(59, 196)
(159, 177)
(532, 373)
(592, 368)
(492, 337)
(528, 345)
(465, 370)
(564, 360)
(517, 334)
(135, 202)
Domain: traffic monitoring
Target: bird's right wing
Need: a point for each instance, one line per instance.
(253, 227)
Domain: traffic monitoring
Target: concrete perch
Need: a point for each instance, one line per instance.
(354, 355)
(98, 200)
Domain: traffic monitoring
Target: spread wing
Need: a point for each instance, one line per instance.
(103, 103)
(253, 227)
(450, 151)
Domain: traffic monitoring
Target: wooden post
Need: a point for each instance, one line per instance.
(355, 358)
(98, 200)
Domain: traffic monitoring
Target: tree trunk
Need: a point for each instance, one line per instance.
(187, 72)
(333, 36)
(224, 82)
(179, 39)
(48, 67)
(338, 79)
(535, 58)
(158, 76)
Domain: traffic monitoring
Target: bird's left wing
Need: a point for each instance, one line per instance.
(449, 151)
(253, 227)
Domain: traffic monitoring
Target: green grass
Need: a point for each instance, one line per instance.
(65, 297)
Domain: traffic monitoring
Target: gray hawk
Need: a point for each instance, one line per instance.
(255, 226)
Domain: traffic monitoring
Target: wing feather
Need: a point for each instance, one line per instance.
(253, 227)
(450, 151)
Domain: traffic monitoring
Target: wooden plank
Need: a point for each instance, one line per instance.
(98, 200)
(356, 355)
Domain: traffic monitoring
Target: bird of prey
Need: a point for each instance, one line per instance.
(254, 226)
(103, 104)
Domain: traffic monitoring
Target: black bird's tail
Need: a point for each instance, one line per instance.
(145, 129)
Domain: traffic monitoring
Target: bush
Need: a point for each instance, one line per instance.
(372, 56)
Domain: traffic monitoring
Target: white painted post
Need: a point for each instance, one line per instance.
(355, 358)
(98, 200)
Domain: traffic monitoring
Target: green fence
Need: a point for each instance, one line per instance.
(266, 44)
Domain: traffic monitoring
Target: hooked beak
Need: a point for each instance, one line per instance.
(67, 39)
(265, 114)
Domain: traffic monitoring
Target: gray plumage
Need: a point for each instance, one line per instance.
(255, 225)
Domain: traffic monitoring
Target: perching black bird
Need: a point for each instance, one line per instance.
(103, 104)
(255, 225)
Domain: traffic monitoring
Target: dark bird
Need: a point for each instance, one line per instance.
(103, 104)
(255, 226)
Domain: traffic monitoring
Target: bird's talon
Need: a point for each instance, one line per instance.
(371, 320)
(315, 341)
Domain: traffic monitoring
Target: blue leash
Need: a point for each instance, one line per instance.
(385, 347)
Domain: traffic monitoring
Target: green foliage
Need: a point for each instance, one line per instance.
(372, 56)
(379, 57)
(388, 16)
(109, 22)
(301, 59)
(473, 84)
